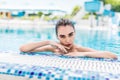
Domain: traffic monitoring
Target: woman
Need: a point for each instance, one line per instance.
(65, 32)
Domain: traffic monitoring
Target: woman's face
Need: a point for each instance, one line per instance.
(66, 36)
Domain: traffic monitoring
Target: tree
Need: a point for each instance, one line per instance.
(40, 14)
(115, 4)
(48, 14)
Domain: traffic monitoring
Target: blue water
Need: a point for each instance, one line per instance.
(11, 40)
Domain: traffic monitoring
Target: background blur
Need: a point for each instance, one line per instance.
(82, 12)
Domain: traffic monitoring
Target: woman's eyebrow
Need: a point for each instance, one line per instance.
(61, 35)
(70, 33)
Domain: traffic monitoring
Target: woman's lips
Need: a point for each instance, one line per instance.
(67, 45)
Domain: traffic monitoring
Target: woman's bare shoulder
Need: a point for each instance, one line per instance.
(84, 49)
(78, 46)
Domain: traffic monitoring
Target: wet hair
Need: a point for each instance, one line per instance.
(63, 22)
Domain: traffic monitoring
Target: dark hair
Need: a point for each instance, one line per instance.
(63, 22)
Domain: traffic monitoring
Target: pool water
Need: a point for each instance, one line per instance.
(49, 66)
(12, 39)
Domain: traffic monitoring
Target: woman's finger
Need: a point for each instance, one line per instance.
(62, 49)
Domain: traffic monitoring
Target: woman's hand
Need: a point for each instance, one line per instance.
(58, 46)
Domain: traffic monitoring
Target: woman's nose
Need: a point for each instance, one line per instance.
(67, 40)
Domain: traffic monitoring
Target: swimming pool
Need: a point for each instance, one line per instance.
(47, 66)
(11, 40)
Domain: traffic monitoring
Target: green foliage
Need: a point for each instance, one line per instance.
(115, 4)
(86, 16)
(55, 18)
(75, 10)
(48, 14)
(112, 2)
(32, 14)
(116, 8)
(40, 14)
(47, 18)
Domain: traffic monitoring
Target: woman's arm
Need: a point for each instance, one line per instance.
(89, 52)
(42, 46)
(101, 54)
(96, 54)
(30, 47)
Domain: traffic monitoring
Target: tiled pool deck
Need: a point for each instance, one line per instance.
(53, 67)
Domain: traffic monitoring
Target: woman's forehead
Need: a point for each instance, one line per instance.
(65, 29)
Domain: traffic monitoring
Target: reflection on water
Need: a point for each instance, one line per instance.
(100, 40)
(10, 39)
